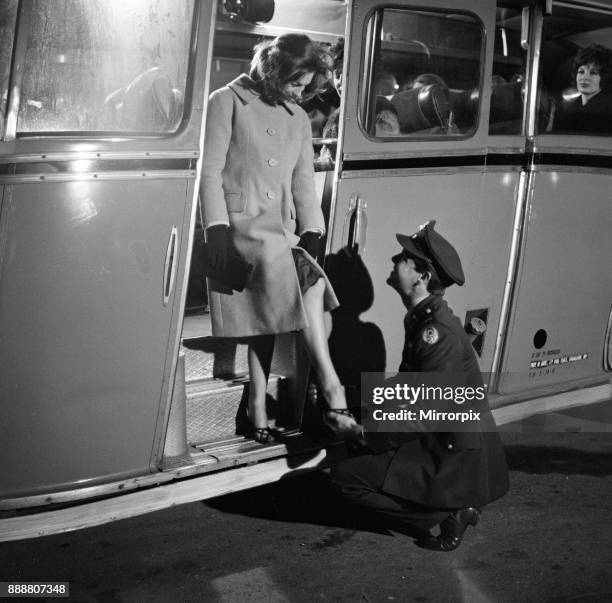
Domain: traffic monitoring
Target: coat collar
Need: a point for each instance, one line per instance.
(246, 90)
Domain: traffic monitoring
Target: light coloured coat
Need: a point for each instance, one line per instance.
(258, 177)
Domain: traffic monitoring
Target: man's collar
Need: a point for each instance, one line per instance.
(426, 306)
(246, 90)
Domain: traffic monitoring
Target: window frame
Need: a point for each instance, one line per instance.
(14, 107)
(371, 52)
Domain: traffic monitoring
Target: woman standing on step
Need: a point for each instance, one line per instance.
(260, 201)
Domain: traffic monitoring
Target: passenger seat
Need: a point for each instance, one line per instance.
(423, 109)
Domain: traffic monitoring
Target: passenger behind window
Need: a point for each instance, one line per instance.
(317, 121)
(148, 103)
(588, 107)
(425, 107)
(386, 121)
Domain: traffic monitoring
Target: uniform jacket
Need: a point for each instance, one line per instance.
(258, 177)
(446, 470)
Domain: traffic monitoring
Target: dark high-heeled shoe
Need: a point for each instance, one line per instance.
(327, 415)
(264, 435)
(244, 427)
(452, 530)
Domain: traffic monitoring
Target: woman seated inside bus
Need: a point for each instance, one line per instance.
(589, 109)
(260, 202)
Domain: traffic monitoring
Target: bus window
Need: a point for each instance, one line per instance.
(575, 74)
(105, 65)
(424, 74)
(8, 15)
(508, 79)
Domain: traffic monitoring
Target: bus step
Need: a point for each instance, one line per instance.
(209, 357)
(212, 406)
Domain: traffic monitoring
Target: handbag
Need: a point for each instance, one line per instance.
(237, 270)
(235, 275)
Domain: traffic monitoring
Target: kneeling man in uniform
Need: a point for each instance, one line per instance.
(421, 478)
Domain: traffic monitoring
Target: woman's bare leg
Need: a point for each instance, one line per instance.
(315, 338)
(260, 359)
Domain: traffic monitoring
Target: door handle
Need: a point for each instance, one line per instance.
(355, 224)
(170, 265)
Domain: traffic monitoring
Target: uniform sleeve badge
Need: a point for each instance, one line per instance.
(431, 335)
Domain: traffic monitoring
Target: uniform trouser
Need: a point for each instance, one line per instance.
(359, 480)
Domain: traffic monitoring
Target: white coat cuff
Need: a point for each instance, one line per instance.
(317, 230)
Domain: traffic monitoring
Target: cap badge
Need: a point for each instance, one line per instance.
(431, 335)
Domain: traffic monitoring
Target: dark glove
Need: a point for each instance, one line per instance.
(217, 243)
(310, 242)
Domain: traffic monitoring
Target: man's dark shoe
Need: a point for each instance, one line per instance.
(452, 530)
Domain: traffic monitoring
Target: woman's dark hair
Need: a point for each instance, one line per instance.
(598, 55)
(434, 285)
(287, 59)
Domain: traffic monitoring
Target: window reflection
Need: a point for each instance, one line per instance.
(105, 65)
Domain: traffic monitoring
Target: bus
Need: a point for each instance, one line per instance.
(116, 400)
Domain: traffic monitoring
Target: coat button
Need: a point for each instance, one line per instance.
(270, 195)
(271, 131)
(272, 162)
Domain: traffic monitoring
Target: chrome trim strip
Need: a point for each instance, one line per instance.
(519, 235)
(572, 169)
(421, 171)
(99, 176)
(443, 151)
(94, 155)
(554, 144)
